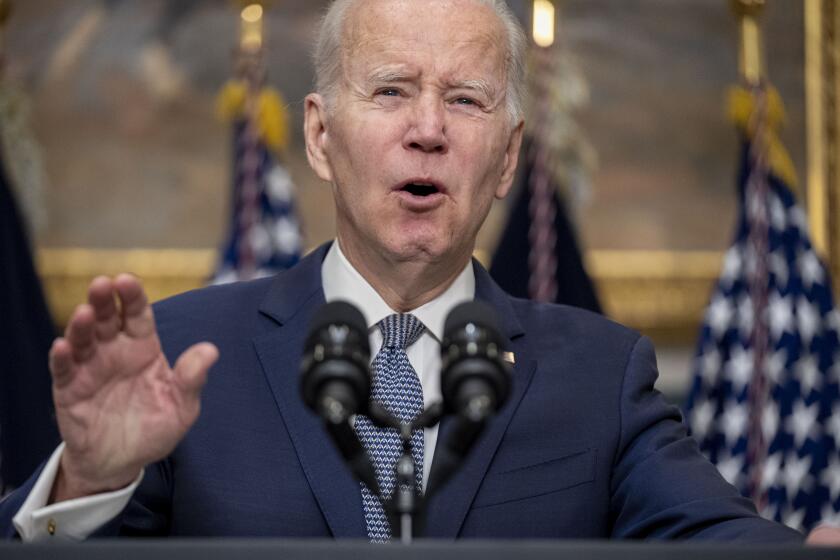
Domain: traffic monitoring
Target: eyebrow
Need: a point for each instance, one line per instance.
(478, 85)
(389, 75)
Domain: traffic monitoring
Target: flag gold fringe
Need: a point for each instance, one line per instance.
(272, 116)
(741, 107)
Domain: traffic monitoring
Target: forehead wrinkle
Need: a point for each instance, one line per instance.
(367, 40)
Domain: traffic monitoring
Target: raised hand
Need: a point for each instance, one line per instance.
(118, 404)
(824, 535)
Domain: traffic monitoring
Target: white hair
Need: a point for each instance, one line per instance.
(327, 57)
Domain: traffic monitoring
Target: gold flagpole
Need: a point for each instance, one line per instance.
(751, 51)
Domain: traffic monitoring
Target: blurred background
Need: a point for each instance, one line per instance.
(122, 99)
(124, 124)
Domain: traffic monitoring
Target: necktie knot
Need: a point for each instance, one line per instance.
(400, 330)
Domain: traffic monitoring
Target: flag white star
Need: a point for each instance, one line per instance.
(829, 515)
(802, 421)
(808, 374)
(832, 320)
(796, 476)
(793, 518)
(702, 415)
(777, 214)
(832, 425)
(781, 315)
(710, 366)
(799, 220)
(830, 477)
(810, 269)
(731, 266)
(770, 471)
(719, 315)
(778, 266)
(834, 370)
(730, 467)
(740, 368)
(807, 318)
(279, 185)
(774, 365)
(770, 510)
(287, 236)
(260, 242)
(734, 422)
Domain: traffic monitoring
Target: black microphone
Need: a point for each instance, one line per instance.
(335, 376)
(475, 380)
(335, 379)
(475, 383)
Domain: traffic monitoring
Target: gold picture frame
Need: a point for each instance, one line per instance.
(822, 78)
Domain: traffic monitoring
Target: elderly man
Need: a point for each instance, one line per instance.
(416, 123)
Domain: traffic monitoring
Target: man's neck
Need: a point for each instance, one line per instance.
(404, 285)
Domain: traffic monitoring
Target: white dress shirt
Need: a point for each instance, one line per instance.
(77, 519)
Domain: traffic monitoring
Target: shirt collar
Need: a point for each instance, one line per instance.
(343, 282)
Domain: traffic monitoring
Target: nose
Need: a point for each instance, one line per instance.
(427, 127)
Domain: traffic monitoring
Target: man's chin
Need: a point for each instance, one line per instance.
(425, 249)
(428, 250)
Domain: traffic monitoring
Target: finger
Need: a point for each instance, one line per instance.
(824, 535)
(80, 333)
(137, 318)
(61, 362)
(101, 298)
(192, 367)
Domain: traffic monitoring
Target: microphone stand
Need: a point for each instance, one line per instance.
(405, 505)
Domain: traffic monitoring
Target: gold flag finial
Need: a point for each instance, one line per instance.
(751, 55)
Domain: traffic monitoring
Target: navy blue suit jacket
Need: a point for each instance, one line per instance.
(584, 447)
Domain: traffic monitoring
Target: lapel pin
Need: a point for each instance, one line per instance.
(509, 357)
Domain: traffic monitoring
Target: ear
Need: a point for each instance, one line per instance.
(511, 159)
(315, 135)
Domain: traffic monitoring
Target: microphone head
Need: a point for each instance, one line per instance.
(474, 312)
(336, 358)
(472, 368)
(338, 313)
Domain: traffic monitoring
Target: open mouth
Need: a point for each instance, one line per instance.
(421, 189)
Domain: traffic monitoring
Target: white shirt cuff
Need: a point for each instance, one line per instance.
(72, 519)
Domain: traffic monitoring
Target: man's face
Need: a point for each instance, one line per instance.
(418, 141)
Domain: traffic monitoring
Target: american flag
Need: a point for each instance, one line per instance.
(764, 403)
(264, 235)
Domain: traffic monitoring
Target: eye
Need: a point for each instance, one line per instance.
(388, 92)
(465, 101)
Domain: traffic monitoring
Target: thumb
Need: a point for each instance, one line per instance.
(192, 366)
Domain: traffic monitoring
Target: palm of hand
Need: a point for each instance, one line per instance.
(119, 405)
(123, 406)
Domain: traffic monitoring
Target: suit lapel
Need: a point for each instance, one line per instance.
(291, 302)
(448, 508)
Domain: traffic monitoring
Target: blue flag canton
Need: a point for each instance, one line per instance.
(266, 228)
(800, 419)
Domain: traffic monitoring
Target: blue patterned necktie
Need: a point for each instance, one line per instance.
(397, 388)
